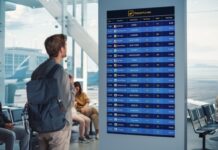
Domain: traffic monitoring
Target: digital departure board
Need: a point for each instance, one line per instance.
(141, 71)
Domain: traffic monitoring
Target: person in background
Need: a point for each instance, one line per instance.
(82, 106)
(216, 104)
(9, 133)
(56, 48)
(84, 121)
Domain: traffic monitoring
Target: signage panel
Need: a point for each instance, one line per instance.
(141, 71)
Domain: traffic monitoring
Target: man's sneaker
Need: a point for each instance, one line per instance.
(97, 136)
(88, 138)
(83, 140)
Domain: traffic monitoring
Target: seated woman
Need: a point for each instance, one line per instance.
(84, 122)
(9, 133)
(82, 106)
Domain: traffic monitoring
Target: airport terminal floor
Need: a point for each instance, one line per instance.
(75, 145)
(193, 141)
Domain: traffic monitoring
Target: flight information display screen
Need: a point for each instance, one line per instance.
(141, 71)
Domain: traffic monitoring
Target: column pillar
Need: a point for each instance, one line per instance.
(74, 5)
(2, 51)
(64, 25)
(84, 57)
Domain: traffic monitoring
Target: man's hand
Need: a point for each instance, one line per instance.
(72, 80)
(75, 104)
(9, 126)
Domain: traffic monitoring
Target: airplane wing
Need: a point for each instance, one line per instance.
(195, 103)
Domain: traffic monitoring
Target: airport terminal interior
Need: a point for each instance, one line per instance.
(25, 24)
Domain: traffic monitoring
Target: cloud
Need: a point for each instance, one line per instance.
(202, 33)
(202, 30)
(17, 14)
(25, 17)
(15, 26)
(203, 66)
(14, 18)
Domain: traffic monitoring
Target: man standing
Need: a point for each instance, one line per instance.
(56, 48)
(9, 133)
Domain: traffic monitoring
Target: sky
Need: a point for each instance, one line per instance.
(202, 25)
(27, 27)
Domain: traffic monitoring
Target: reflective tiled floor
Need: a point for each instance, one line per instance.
(75, 145)
(194, 142)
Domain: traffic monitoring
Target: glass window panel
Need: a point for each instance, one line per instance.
(202, 50)
(26, 30)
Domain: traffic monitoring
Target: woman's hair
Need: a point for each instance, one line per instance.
(77, 84)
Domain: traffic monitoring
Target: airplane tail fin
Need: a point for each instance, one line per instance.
(21, 70)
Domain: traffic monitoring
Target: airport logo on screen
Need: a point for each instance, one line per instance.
(141, 71)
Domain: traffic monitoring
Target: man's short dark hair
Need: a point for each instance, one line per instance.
(54, 43)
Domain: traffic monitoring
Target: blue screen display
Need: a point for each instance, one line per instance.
(141, 71)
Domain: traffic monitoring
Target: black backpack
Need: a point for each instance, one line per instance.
(45, 108)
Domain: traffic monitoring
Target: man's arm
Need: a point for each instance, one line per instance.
(64, 87)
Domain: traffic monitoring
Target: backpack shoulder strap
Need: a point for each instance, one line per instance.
(52, 71)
